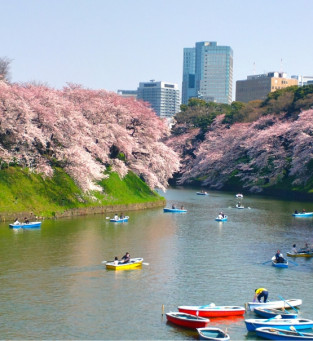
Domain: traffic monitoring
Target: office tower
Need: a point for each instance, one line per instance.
(303, 80)
(208, 73)
(259, 86)
(128, 93)
(163, 97)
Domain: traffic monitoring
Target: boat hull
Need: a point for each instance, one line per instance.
(217, 311)
(281, 334)
(173, 210)
(221, 219)
(275, 304)
(300, 254)
(187, 320)
(303, 215)
(124, 220)
(132, 264)
(199, 193)
(212, 334)
(298, 324)
(270, 313)
(31, 225)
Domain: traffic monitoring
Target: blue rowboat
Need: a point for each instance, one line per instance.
(120, 220)
(174, 210)
(221, 219)
(202, 193)
(269, 313)
(281, 334)
(275, 322)
(31, 225)
(212, 334)
(303, 215)
(279, 265)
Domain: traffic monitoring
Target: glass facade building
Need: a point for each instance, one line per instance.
(163, 97)
(208, 73)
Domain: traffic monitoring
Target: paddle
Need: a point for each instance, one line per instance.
(267, 262)
(288, 304)
(293, 262)
(295, 330)
(272, 318)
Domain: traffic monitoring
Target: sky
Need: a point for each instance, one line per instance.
(115, 44)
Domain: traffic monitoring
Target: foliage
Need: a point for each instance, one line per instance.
(25, 191)
(84, 132)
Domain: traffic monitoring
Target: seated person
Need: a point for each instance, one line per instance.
(125, 258)
(115, 261)
(279, 257)
(116, 217)
(16, 222)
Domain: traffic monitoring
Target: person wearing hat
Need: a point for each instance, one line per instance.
(259, 293)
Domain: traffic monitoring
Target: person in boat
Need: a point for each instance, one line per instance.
(294, 249)
(173, 207)
(182, 207)
(303, 210)
(122, 216)
(259, 293)
(16, 222)
(26, 221)
(220, 216)
(126, 258)
(115, 261)
(296, 211)
(116, 216)
(279, 257)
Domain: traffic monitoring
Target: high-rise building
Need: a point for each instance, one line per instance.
(259, 86)
(208, 72)
(163, 97)
(303, 80)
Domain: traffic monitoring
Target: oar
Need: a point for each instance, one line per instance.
(272, 318)
(295, 330)
(293, 262)
(288, 304)
(267, 262)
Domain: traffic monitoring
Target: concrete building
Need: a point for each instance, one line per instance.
(208, 72)
(163, 97)
(259, 86)
(303, 80)
(128, 93)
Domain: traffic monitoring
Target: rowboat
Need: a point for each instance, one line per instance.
(31, 225)
(293, 302)
(212, 310)
(278, 264)
(212, 334)
(303, 215)
(221, 219)
(119, 220)
(285, 324)
(281, 334)
(239, 195)
(202, 193)
(174, 210)
(187, 320)
(269, 313)
(132, 264)
(300, 254)
(239, 207)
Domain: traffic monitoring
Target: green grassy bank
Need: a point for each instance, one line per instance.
(23, 192)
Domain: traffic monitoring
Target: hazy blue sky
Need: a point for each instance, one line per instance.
(115, 44)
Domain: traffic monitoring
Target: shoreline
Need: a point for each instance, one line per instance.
(81, 211)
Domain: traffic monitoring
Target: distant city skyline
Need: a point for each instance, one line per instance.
(115, 44)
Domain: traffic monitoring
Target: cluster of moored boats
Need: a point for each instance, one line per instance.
(275, 320)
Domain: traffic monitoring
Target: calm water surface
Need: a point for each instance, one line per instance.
(54, 286)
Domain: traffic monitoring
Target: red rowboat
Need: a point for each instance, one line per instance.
(212, 310)
(187, 320)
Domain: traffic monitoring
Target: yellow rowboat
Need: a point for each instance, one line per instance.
(300, 254)
(132, 264)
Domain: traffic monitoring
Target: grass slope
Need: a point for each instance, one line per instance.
(23, 191)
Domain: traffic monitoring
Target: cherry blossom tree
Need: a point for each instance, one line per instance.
(84, 131)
